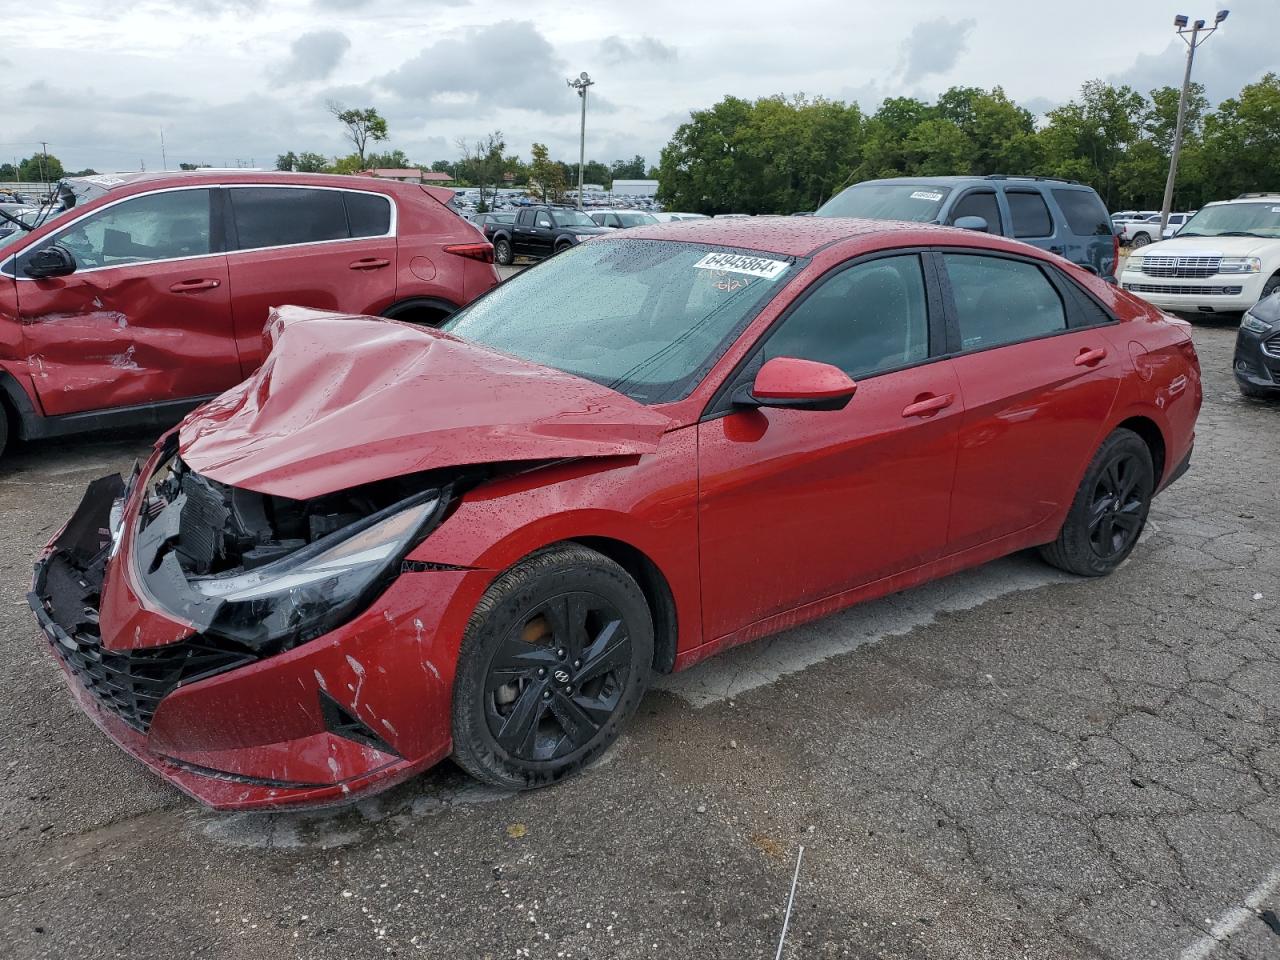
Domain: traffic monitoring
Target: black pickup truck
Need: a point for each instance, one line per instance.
(540, 232)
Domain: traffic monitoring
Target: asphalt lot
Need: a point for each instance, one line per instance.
(1009, 763)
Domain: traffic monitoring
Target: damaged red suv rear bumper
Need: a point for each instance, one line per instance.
(309, 726)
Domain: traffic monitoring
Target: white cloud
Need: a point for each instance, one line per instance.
(314, 56)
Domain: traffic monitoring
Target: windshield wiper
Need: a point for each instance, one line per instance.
(1240, 233)
(12, 219)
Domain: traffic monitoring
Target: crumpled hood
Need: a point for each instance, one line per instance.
(1207, 247)
(345, 400)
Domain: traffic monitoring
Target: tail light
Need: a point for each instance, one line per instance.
(472, 251)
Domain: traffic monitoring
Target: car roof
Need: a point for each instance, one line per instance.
(128, 182)
(955, 181)
(802, 236)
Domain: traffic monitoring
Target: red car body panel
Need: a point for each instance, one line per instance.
(129, 335)
(747, 522)
(406, 399)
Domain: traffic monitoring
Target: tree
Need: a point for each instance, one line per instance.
(362, 126)
(1241, 142)
(193, 166)
(39, 168)
(483, 162)
(1086, 139)
(287, 161)
(392, 159)
(546, 178)
(632, 169)
(309, 162)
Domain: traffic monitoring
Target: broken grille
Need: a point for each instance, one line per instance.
(129, 683)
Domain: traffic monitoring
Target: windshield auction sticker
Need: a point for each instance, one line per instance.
(738, 263)
(926, 195)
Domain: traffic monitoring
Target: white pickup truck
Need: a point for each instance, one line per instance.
(1138, 233)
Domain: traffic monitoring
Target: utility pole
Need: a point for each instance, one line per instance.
(1198, 36)
(44, 163)
(164, 160)
(581, 84)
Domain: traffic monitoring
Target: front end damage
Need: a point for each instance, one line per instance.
(224, 636)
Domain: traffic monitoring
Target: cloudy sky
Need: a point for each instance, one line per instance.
(242, 80)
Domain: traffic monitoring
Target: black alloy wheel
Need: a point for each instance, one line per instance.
(502, 252)
(1109, 510)
(555, 658)
(1119, 506)
(558, 677)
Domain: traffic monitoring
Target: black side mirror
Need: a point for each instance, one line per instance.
(52, 261)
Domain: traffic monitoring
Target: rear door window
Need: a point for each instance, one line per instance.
(980, 203)
(284, 216)
(1001, 301)
(368, 214)
(1084, 211)
(1029, 213)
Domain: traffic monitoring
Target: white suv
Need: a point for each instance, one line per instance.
(1224, 259)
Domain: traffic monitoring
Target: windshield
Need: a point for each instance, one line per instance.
(636, 219)
(887, 201)
(644, 317)
(573, 218)
(1235, 220)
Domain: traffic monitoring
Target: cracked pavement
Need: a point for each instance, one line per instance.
(1009, 763)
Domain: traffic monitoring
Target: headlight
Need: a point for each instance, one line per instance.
(312, 590)
(1253, 324)
(1134, 263)
(1240, 265)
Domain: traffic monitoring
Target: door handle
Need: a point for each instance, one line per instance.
(192, 286)
(369, 263)
(1057, 250)
(1090, 358)
(927, 405)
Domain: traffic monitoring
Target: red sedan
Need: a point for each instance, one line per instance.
(395, 544)
(145, 294)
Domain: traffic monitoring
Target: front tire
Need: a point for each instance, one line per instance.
(502, 252)
(555, 658)
(1109, 510)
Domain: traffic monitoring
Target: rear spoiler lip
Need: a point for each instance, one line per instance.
(442, 194)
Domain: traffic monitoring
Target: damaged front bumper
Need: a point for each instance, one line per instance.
(354, 710)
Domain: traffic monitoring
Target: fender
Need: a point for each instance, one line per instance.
(654, 513)
(27, 416)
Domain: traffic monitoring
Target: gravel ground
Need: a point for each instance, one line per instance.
(1008, 763)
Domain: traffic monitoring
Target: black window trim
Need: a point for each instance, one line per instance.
(1067, 289)
(233, 239)
(10, 261)
(721, 404)
(990, 191)
(1013, 227)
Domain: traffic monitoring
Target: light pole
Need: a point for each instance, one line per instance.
(1198, 36)
(581, 85)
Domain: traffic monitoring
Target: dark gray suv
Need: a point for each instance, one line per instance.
(1061, 216)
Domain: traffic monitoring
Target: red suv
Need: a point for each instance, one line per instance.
(147, 293)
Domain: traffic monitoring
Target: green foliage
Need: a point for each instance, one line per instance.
(779, 155)
(632, 169)
(362, 126)
(285, 161)
(392, 159)
(546, 177)
(309, 162)
(36, 168)
(773, 155)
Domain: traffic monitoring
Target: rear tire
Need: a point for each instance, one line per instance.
(1109, 510)
(555, 658)
(1140, 240)
(502, 252)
